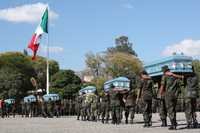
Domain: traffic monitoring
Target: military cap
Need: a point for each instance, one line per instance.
(165, 68)
(143, 72)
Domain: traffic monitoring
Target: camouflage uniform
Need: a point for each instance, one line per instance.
(105, 107)
(115, 106)
(93, 115)
(146, 89)
(98, 108)
(78, 106)
(190, 101)
(163, 111)
(88, 101)
(130, 103)
(49, 108)
(171, 85)
(83, 107)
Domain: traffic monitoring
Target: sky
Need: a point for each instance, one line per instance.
(157, 28)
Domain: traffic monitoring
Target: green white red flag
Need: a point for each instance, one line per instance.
(42, 28)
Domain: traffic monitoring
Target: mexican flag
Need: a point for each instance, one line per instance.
(42, 28)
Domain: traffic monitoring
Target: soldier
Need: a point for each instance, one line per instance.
(7, 109)
(43, 108)
(78, 106)
(98, 107)
(57, 108)
(70, 107)
(146, 93)
(88, 100)
(105, 107)
(83, 107)
(163, 111)
(32, 106)
(190, 100)
(130, 102)
(115, 105)
(170, 90)
(93, 106)
(49, 108)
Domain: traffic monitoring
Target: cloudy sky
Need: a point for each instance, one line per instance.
(157, 28)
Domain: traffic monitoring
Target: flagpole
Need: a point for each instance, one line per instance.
(47, 78)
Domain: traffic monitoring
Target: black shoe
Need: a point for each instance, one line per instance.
(145, 125)
(126, 121)
(195, 124)
(172, 127)
(189, 126)
(150, 124)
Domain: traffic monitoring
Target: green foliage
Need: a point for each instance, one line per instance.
(99, 82)
(122, 64)
(122, 45)
(94, 63)
(120, 60)
(65, 82)
(16, 71)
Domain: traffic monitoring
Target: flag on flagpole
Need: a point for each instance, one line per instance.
(42, 28)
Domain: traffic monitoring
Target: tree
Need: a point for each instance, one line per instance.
(15, 73)
(122, 64)
(99, 82)
(94, 63)
(196, 65)
(65, 82)
(17, 70)
(122, 45)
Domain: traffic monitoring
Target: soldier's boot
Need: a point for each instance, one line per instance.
(102, 120)
(149, 123)
(113, 121)
(173, 125)
(88, 118)
(189, 125)
(126, 121)
(84, 118)
(145, 124)
(164, 123)
(95, 119)
(195, 124)
(118, 121)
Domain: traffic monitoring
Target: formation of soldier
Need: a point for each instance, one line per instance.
(38, 108)
(110, 106)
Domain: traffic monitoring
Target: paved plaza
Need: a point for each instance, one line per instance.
(71, 125)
